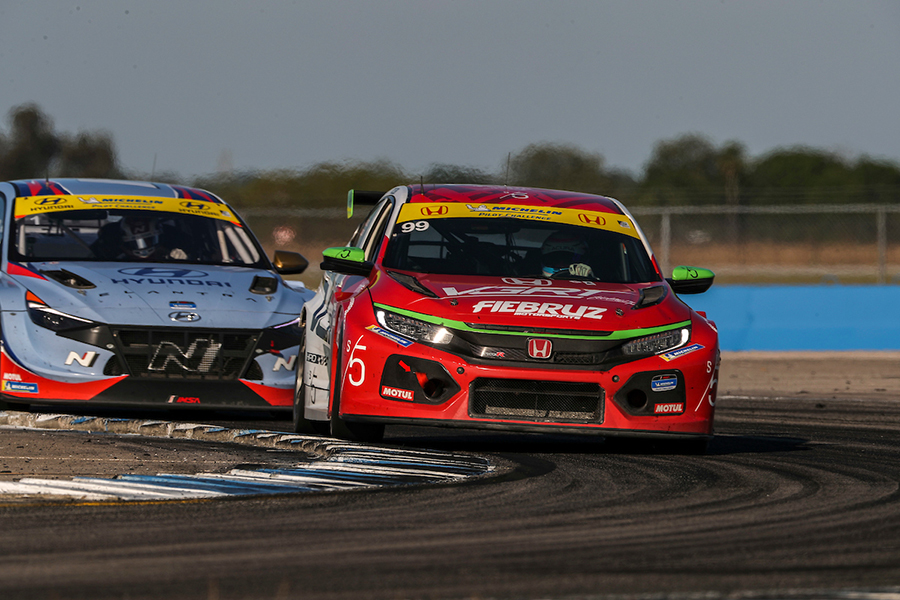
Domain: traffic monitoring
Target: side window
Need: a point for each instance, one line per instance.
(376, 233)
(2, 214)
(362, 232)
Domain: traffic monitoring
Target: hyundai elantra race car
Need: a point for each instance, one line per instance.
(505, 308)
(145, 294)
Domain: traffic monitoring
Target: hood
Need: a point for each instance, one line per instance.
(152, 294)
(533, 303)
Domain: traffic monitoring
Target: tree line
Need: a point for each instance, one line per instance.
(687, 170)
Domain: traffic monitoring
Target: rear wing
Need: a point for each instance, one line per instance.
(362, 198)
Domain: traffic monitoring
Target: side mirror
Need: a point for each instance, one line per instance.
(289, 263)
(691, 280)
(346, 260)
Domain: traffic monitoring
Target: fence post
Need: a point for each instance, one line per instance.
(881, 236)
(665, 239)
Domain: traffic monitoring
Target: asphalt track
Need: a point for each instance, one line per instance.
(799, 497)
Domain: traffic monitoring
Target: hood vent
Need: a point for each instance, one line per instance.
(69, 279)
(411, 283)
(651, 296)
(264, 285)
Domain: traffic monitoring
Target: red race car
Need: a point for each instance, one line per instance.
(504, 308)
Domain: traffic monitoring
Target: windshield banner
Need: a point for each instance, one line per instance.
(457, 210)
(34, 205)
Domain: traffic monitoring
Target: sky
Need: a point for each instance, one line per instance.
(196, 87)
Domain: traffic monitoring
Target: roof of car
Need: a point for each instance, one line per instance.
(66, 186)
(500, 194)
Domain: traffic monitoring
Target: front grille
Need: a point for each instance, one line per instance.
(521, 355)
(554, 401)
(181, 354)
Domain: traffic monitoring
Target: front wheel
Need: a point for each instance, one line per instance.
(301, 423)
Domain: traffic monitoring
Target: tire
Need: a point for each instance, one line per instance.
(301, 423)
(348, 430)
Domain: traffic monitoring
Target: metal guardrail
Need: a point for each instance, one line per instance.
(879, 213)
(732, 255)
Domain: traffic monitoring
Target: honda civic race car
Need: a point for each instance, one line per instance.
(505, 308)
(123, 292)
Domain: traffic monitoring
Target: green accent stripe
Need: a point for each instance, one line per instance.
(461, 326)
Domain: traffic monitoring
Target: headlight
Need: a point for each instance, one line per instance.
(50, 318)
(658, 342)
(414, 328)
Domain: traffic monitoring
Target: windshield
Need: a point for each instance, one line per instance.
(517, 247)
(132, 235)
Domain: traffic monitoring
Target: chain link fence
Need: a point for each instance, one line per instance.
(786, 244)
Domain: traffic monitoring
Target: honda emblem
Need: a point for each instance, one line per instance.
(539, 348)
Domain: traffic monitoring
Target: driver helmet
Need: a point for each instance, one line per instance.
(140, 236)
(560, 250)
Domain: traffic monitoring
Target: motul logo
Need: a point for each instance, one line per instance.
(390, 392)
(539, 348)
(591, 219)
(430, 211)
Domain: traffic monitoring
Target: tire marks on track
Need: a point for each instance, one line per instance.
(337, 466)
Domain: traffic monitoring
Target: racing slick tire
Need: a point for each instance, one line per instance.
(348, 430)
(301, 423)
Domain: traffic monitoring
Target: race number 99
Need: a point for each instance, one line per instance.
(411, 226)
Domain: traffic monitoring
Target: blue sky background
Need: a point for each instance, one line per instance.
(200, 85)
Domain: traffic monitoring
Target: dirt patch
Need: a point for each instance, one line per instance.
(859, 375)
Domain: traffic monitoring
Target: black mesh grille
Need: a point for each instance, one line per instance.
(536, 400)
(181, 354)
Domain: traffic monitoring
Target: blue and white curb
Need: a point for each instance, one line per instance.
(336, 465)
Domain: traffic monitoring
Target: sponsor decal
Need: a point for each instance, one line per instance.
(20, 386)
(316, 359)
(538, 348)
(432, 211)
(85, 360)
(182, 305)
(160, 272)
(664, 383)
(176, 399)
(396, 393)
(163, 276)
(591, 219)
(390, 335)
(169, 282)
(184, 317)
(540, 309)
(680, 352)
(528, 282)
(44, 204)
(353, 363)
(526, 290)
(281, 363)
(12, 377)
(669, 409)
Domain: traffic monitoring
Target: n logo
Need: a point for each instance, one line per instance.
(85, 361)
(287, 364)
(539, 348)
(199, 357)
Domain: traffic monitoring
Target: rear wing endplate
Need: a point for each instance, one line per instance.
(363, 198)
